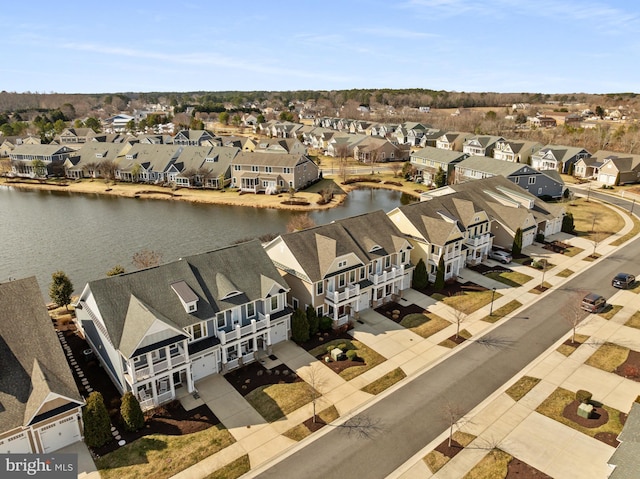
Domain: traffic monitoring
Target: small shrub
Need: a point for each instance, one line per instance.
(342, 346)
(326, 323)
(540, 238)
(583, 396)
(330, 348)
(131, 413)
(97, 426)
(352, 355)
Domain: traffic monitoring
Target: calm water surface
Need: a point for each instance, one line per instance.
(86, 235)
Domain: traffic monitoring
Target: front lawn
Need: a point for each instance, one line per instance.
(233, 470)
(634, 320)
(510, 278)
(367, 357)
(610, 311)
(277, 400)
(324, 417)
(494, 465)
(158, 456)
(471, 301)
(424, 324)
(452, 341)
(565, 273)
(568, 347)
(608, 357)
(443, 453)
(594, 216)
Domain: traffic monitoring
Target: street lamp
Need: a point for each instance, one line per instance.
(544, 268)
(493, 293)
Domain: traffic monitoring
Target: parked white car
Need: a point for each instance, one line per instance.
(500, 255)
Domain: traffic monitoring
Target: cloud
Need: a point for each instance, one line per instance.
(384, 31)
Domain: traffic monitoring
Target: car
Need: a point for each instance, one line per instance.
(500, 255)
(623, 280)
(593, 302)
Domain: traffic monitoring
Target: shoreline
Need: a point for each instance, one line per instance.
(199, 196)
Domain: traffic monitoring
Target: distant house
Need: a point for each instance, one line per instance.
(71, 136)
(515, 151)
(159, 330)
(40, 407)
(8, 143)
(427, 161)
(242, 142)
(51, 156)
(373, 149)
(546, 184)
(610, 168)
(118, 123)
(543, 122)
(272, 172)
(193, 138)
(557, 157)
(452, 140)
(481, 145)
(280, 145)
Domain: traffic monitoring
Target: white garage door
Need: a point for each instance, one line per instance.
(18, 444)
(59, 434)
(278, 332)
(204, 366)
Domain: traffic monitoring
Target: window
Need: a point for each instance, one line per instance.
(320, 311)
(532, 180)
(222, 322)
(198, 331)
(342, 264)
(255, 168)
(192, 308)
(251, 310)
(403, 257)
(274, 303)
(387, 261)
(363, 272)
(319, 288)
(341, 280)
(236, 167)
(286, 170)
(268, 169)
(517, 178)
(295, 303)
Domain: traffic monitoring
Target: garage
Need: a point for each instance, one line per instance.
(59, 434)
(17, 444)
(204, 366)
(279, 332)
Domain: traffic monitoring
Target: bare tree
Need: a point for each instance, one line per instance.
(596, 238)
(342, 152)
(455, 417)
(146, 259)
(573, 313)
(396, 167)
(314, 382)
(459, 317)
(300, 222)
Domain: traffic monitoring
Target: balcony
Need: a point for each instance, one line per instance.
(387, 276)
(157, 367)
(241, 331)
(337, 297)
(479, 240)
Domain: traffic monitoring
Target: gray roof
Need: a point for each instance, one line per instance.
(130, 301)
(495, 167)
(560, 152)
(268, 159)
(87, 153)
(439, 155)
(626, 457)
(484, 140)
(152, 157)
(33, 364)
(316, 248)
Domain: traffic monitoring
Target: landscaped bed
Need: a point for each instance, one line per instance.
(385, 382)
(569, 346)
(255, 375)
(521, 387)
(444, 452)
(503, 311)
(348, 369)
(617, 359)
(499, 464)
(324, 417)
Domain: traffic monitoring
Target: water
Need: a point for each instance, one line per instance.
(86, 235)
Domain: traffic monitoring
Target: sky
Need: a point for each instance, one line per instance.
(544, 46)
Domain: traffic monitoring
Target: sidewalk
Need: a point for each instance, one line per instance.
(413, 354)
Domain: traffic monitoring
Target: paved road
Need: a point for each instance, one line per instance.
(412, 416)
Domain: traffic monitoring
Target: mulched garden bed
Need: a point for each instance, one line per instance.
(324, 337)
(453, 289)
(521, 470)
(449, 451)
(630, 369)
(458, 340)
(255, 375)
(170, 419)
(599, 415)
(339, 366)
(396, 312)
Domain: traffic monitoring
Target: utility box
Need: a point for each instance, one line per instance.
(337, 354)
(584, 410)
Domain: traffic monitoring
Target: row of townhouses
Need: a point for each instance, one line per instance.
(164, 328)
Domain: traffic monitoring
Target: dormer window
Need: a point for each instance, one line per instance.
(187, 297)
(342, 263)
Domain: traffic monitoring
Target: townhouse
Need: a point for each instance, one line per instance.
(35, 160)
(204, 166)
(149, 163)
(558, 157)
(345, 267)
(90, 159)
(260, 172)
(515, 151)
(609, 168)
(481, 145)
(40, 407)
(452, 140)
(161, 329)
(193, 138)
(429, 160)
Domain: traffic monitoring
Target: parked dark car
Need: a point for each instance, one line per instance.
(623, 280)
(594, 303)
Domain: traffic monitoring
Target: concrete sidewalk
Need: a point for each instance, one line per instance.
(505, 420)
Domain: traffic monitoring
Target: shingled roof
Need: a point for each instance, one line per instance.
(33, 364)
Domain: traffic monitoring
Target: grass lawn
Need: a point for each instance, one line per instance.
(299, 432)
(157, 456)
(634, 320)
(584, 214)
(470, 301)
(510, 278)
(384, 382)
(502, 311)
(494, 465)
(233, 470)
(591, 258)
(568, 349)
(435, 460)
(522, 387)
(565, 273)
(572, 251)
(631, 234)
(424, 325)
(610, 311)
(608, 357)
(277, 400)
(535, 290)
(370, 357)
(449, 343)
(554, 405)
